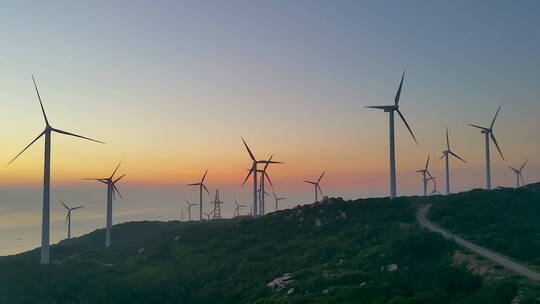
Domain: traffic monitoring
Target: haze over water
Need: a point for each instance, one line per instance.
(172, 87)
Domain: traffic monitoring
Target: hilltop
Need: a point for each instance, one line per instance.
(362, 251)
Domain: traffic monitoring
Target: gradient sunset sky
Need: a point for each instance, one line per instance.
(172, 85)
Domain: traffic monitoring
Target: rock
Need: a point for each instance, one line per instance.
(318, 222)
(141, 250)
(281, 282)
(343, 215)
(362, 284)
(326, 291)
(177, 238)
(391, 267)
(290, 291)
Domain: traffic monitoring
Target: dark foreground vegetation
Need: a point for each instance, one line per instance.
(505, 220)
(365, 251)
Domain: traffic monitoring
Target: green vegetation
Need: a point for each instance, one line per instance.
(505, 220)
(338, 252)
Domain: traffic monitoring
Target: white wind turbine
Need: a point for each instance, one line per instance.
(277, 199)
(425, 173)
(390, 110)
(201, 187)
(488, 132)
(189, 205)
(434, 191)
(68, 217)
(46, 177)
(237, 208)
(317, 186)
(112, 190)
(446, 155)
(519, 174)
(254, 170)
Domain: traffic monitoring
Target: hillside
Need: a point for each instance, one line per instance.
(363, 251)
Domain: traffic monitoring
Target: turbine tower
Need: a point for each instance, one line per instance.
(237, 208)
(446, 155)
(112, 190)
(434, 191)
(189, 205)
(68, 217)
(46, 176)
(425, 173)
(277, 199)
(317, 186)
(390, 110)
(488, 133)
(201, 187)
(254, 170)
(264, 176)
(519, 174)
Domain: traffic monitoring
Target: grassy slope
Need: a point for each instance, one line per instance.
(231, 261)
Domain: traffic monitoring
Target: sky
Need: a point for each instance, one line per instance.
(171, 86)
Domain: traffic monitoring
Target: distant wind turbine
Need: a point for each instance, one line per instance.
(390, 110)
(317, 186)
(189, 205)
(237, 208)
(46, 177)
(277, 199)
(425, 173)
(254, 170)
(519, 174)
(488, 132)
(112, 190)
(201, 187)
(68, 217)
(434, 191)
(446, 155)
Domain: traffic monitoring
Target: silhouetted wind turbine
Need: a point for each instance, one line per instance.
(254, 170)
(425, 172)
(390, 110)
(277, 199)
(445, 154)
(237, 208)
(189, 205)
(434, 191)
(68, 217)
(317, 186)
(46, 176)
(111, 194)
(264, 176)
(488, 132)
(201, 187)
(519, 174)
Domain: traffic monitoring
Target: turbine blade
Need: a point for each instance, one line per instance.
(319, 187)
(247, 177)
(116, 189)
(442, 156)
(407, 125)
(321, 177)
(494, 118)
(523, 166)
(522, 180)
(268, 178)
(75, 135)
(196, 184)
(122, 176)
(249, 151)
(482, 128)
(427, 163)
(455, 155)
(41, 134)
(313, 183)
(268, 163)
(116, 169)
(447, 141)
(77, 208)
(275, 196)
(398, 94)
(64, 205)
(204, 176)
(205, 189)
(67, 217)
(40, 103)
(496, 144)
(386, 108)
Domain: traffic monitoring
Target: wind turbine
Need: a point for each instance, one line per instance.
(237, 208)
(68, 217)
(425, 172)
(488, 132)
(46, 176)
(277, 199)
(254, 170)
(189, 205)
(201, 187)
(434, 191)
(264, 176)
(445, 154)
(390, 110)
(112, 190)
(519, 174)
(317, 186)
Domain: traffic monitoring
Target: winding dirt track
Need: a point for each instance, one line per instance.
(421, 217)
